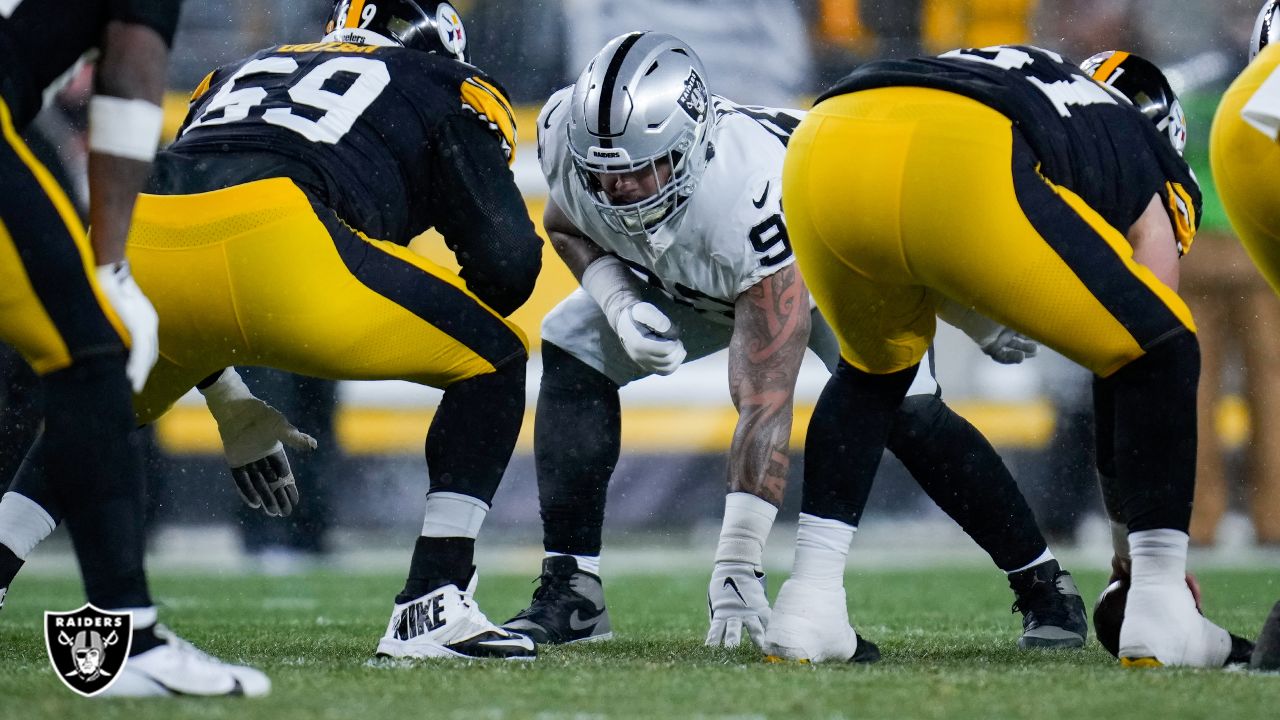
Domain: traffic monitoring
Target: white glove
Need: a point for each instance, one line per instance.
(736, 601)
(253, 438)
(650, 338)
(138, 316)
(1010, 347)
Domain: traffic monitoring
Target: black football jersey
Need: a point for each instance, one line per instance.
(392, 139)
(1087, 137)
(40, 40)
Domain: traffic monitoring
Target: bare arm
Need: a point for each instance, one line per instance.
(576, 249)
(132, 67)
(1154, 245)
(770, 333)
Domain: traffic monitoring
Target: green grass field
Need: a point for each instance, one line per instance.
(947, 638)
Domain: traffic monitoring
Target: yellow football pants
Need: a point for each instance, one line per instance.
(1246, 168)
(896, 197)
(259, 274)
(51, 308)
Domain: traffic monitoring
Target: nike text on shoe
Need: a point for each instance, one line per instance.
(1053, 614)
(568, 606)
(812, 625)
(178, 668)
(447, 623)
(1162, 627)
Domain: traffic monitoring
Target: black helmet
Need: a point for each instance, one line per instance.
(1265, 28)
(1145, 86)
(406, 23)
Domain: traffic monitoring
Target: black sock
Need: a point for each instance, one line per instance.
(10, 564)
(960, 471)
(92, 470)
(577, 437)
(438, 562)
(846, 440)
(1154, 451)
(144, 639)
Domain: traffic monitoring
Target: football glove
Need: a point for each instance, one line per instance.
(139, 318)
(736, 601)
(1009, 347)
(650, 338)
(253, 438)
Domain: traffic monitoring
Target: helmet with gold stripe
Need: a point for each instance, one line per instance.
(1139, 80)
(426, 26)
(1266, 28)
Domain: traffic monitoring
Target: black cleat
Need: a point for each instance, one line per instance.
(1052, 610)
(1266, 655)
(867, 652)
(568, 606)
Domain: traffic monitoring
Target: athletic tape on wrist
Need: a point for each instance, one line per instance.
(747, 521)
(608, 281)
(124, 128)
(229, 386)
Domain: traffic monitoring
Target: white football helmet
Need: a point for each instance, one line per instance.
(641, 102)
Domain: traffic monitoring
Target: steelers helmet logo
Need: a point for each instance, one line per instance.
(449, 26)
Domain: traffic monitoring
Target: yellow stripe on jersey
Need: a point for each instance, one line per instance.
(201, 89)
(353, 14)
(1183, 212)
(487, 102)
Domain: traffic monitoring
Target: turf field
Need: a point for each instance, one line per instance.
(947, 638)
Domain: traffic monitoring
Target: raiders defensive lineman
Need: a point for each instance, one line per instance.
(273, 233)
(665, 201)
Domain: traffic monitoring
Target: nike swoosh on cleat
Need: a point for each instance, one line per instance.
(590, 623)
(760, 203)
(523, 643)
(729, 583)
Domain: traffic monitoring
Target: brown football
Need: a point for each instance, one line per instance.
(1108, 614)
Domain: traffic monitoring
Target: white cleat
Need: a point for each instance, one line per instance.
(811, 625)
(178, 668)
(447, 623)
(1162, 627)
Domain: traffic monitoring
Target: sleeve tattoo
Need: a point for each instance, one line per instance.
(770, 334)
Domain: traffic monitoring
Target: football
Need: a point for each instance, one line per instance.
(1108, 614)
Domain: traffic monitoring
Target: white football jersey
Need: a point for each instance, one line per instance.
(730, 233)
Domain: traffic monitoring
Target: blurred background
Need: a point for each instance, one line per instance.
(363, 489)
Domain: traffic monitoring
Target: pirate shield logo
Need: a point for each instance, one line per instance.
(88, 647)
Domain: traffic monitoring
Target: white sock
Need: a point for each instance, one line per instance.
(1159, 557)
(1045, 557)
(586, 563)
(453, 515)
(822, 546)
(747, 521)
(1120, 539)
(143, 617)
(23, 524)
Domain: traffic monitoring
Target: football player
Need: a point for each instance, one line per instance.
(274, 233)
(1244, 148)
(71, 307)
(1048, 202)
(666, 204)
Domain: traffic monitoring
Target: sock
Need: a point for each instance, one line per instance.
(1159, 557)
(746, 525)
(586, 563)
(23, 525)
(1045, 557)
(438, 562)
(822, 547)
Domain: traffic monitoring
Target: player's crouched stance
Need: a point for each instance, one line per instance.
(1047, 202)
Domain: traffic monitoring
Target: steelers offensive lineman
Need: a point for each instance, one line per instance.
(665, 202)
(273, 233)
(1047, 202)
(71, 307)
(1244, 148)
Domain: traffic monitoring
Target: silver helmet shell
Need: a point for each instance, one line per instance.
(1266, 28)
(642, 102)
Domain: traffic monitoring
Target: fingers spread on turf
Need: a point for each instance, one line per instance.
(755, 629)
(715, 635)
(733, 632)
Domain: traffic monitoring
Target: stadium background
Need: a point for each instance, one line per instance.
(363, 492)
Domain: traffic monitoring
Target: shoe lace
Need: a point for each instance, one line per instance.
(1044, 603)
(550, 589)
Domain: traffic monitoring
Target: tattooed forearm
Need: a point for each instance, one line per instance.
(770, 333)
